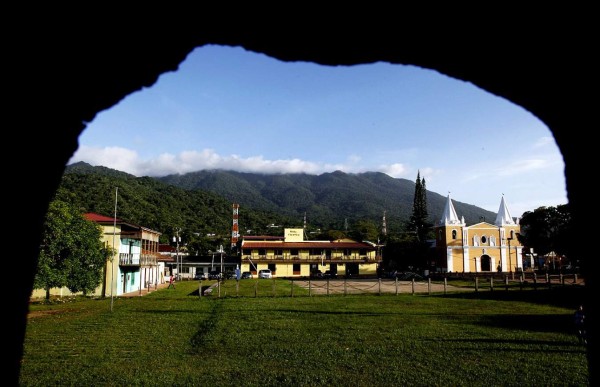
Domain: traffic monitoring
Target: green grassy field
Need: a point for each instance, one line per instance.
(174, 337)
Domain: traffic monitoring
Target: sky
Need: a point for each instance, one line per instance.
(232, 109)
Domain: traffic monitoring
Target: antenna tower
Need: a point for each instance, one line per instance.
(304, 226)
(235, 231)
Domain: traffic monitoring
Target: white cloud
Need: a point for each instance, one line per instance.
(190, 161)
(127, 160)
(396, 170)
(114, 157)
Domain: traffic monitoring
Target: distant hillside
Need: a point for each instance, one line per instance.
(328, 199)
(151, 203)
(204, 198)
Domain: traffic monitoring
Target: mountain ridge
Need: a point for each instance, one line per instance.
(327, 200)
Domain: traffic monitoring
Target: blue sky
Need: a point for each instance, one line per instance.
(228, 108)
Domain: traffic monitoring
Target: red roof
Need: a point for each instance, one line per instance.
(99, 218)
(92, 216)
(263, 237)
(166, 248)
(306, 245)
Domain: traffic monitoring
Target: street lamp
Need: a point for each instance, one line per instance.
(509, 259)
(221, 251)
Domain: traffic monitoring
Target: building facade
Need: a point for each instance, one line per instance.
(293, 256)
(135, 264)
(482, 247)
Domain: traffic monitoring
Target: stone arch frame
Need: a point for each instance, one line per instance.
(59, 81)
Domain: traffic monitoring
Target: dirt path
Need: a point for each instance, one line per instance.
(341, 286)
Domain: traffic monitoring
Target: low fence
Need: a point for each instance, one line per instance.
(279, 287)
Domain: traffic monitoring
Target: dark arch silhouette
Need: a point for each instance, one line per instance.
(64, 72)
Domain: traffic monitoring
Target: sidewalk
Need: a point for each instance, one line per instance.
(144, 291)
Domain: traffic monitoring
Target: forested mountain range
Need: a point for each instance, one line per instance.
(201, 202)
(327, 199)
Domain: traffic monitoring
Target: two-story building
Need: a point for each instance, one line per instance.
(293, 256)
(482, 247)
(135, 264)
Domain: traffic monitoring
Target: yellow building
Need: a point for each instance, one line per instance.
(292, 256)
(482, 247)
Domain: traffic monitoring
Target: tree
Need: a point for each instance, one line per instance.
(72, 253)
(364, 230)
(411, 251)
(547, 229)
(418, 222)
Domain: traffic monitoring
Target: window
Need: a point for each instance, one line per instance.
(453, 234)
(273, 268)
(483, 239)
(296, 268)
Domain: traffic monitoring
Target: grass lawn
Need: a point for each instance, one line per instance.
(174, 337)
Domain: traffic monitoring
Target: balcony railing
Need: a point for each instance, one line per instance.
(147, 258)
(127, 259)
(312, 258)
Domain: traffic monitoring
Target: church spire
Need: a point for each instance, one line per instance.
(449, 216)
(503, 218)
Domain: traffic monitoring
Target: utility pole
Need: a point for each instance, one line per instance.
(112, 265)
(177, 239)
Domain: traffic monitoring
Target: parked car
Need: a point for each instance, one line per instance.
(265, 273)
(247, 275)
(316, 274)
(329, 274)
(214, 275)
(200, 276)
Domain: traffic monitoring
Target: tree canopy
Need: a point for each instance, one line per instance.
(72, 254)
(547, 229)
(418, 222)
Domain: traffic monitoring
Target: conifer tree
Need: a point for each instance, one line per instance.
(418, 222)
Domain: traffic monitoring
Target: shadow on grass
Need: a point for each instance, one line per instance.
(534, 323)
(566, 297)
